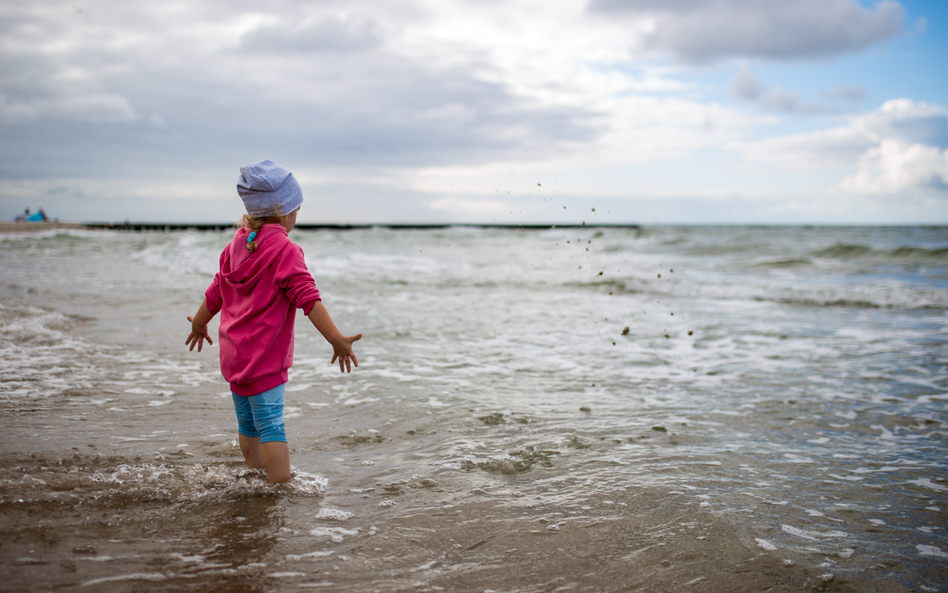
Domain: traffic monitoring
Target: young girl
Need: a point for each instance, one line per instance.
(262, 281)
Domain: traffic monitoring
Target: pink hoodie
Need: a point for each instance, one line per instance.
(258, 294)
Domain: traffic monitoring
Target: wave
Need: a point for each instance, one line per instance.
(610, 285)
(784, 263)
(903, 253)
(111, 481)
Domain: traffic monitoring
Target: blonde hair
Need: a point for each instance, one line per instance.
(255, 222)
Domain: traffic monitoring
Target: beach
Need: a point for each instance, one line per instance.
(587, 409)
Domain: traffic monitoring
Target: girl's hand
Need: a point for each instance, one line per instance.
(342, 349)
(198, 335)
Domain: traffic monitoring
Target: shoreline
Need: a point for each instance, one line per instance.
(33, 227)
(30, 227)
(36, 227)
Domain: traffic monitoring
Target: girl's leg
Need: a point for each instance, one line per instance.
(250, 447)
(268, 418)
(276, 458)
(247, 437)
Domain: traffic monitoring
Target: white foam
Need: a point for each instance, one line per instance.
(931, 551)
(812, 535)
(334, 514)
(137, 576)
(927, 483)
(336, 534)
(310, 556)
(765, 545)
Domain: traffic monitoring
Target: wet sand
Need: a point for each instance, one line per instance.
(91, 517)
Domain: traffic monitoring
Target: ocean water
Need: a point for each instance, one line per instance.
(653, 409)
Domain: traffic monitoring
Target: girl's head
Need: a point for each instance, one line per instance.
(270, 194)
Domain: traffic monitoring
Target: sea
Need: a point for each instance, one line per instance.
(568, 408)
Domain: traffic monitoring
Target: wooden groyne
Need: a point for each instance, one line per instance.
(218, 227)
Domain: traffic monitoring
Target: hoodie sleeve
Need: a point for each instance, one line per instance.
(213, 296)
(213, 293)
(293, 276)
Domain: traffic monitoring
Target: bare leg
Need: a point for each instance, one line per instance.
(276, 460)
(250, 447)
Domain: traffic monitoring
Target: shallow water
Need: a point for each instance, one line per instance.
(774, 416)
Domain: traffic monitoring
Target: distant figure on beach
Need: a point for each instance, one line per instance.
(262, 280)
(40, 216)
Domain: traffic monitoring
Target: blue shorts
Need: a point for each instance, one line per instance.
(261, 415)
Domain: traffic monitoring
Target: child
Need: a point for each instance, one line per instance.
(262, 280)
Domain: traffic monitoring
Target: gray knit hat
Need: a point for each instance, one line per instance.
(266, 186)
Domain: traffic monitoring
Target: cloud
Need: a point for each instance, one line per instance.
(745, 86)
(700, 31)
(236, 82)
(423, 110)
(895, 167)
(900, 148)
(330, 34)
(453, 205)
(844, 92)
(95, 107)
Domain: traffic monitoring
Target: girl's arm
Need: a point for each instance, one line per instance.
(199, 327)
(341, 345)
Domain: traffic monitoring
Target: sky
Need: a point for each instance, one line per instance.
(510, 112)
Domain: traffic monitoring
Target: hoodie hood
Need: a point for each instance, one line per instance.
(242, 269)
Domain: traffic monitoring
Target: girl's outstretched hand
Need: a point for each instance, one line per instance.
(198, 335)
(342, 349)
(199, 328)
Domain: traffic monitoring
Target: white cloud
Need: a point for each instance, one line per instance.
(705, 30)
(900, 147)
(896, 167)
